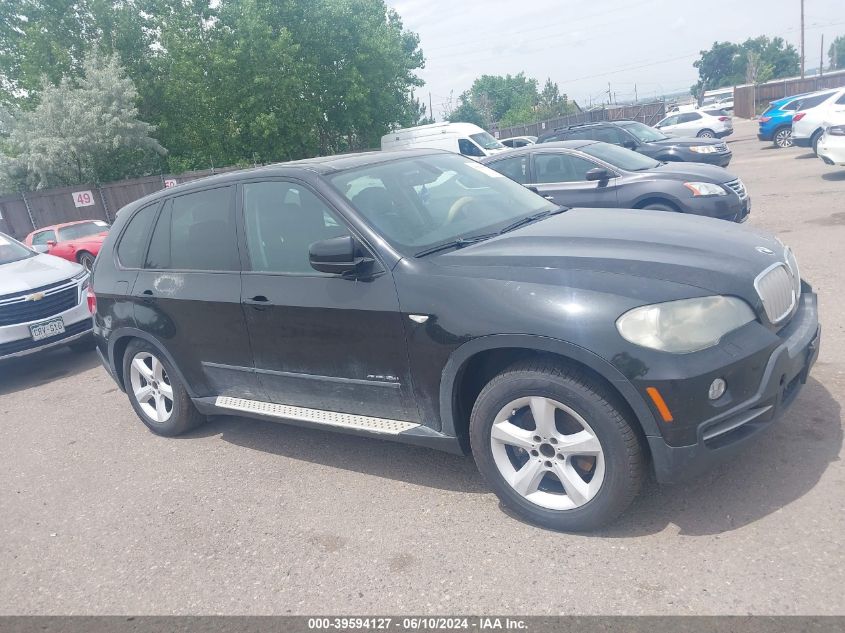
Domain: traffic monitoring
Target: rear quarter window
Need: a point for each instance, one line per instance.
(133, 243)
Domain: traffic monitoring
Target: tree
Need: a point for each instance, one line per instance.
(726, 63)
(836, 53)
(82, 131)
(551, 104)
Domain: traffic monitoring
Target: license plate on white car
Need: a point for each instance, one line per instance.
(46, 329)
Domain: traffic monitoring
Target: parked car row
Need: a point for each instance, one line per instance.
(802, 119)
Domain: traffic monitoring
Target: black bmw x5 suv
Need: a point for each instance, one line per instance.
(421, 297)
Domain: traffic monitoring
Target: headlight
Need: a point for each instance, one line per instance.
(684, 326)
(836, 130)
(703, 149)
(705, 189)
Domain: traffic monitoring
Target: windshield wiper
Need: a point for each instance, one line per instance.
(458, 243)
(541, 215)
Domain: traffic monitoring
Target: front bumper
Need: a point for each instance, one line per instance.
(723, 435)
(16, 340)
(832, 152)
(729, 207)
(721, 159)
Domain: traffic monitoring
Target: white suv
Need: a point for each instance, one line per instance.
(42, 302)
(831, 145)
(808, 124)
(710, 123)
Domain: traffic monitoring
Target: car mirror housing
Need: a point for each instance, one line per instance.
(40, 248)
(598, 173)
(51, 243)
(338, 256)
(630, 144)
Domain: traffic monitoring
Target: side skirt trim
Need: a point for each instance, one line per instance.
(316, 416)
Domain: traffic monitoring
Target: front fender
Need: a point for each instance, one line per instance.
(462, 355)
(131, 332)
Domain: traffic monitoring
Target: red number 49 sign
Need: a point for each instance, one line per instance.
(83, 199)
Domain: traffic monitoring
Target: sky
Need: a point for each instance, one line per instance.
(583, 45)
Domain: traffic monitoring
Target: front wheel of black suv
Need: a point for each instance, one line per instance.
(156, 393)
(555, 447)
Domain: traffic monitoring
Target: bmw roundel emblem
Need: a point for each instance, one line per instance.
(765, 251)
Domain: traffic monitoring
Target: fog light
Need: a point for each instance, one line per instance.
(717, 389)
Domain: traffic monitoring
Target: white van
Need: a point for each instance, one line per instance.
(463, 138)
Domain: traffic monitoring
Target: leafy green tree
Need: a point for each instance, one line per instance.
(551, 104)
(836, 53)
(726, 63)
(82, 131)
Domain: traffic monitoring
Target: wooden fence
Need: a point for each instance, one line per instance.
(21, 213)
(648, 113)
(748, 99)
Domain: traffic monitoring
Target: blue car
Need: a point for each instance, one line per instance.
(776, 122)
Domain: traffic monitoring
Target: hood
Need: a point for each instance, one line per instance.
(691, 172)
(688, 141)
(715, 256)
(35, 272)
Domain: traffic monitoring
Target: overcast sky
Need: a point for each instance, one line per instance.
(583, 45)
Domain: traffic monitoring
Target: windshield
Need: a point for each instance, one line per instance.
(12, 251)
(486, 141)
(83, 229)
(417, 203)
(644, 133)
(619, 156)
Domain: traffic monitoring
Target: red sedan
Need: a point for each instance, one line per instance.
(75, 241)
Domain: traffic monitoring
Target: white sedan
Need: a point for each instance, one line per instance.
(831, 147)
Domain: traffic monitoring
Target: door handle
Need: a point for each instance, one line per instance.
(147, 296)
(148, 293)
(258, 302)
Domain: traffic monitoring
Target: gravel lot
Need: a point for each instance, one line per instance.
(98, 516)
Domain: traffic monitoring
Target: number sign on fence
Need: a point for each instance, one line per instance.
(83, 199)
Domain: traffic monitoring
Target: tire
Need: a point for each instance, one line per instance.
(660, 206)
(782, 138)
(83, 345)
(706, 133)
(610, 450)
(814, 140)
(160, 379)
(86, 259)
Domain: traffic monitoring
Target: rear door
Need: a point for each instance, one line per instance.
(320, 341)
(188, 296)
(562, 178)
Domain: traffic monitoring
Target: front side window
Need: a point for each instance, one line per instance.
(43, 237)
(515, 168)
(688, 117)
(417, 203)
(645, 133)
(485, 140)
(468, 148)
(133, 242)
(81, 230)
(669, 120)
(196, 231)
(282, 220)
(561, 168)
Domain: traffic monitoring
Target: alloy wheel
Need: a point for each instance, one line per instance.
(547, 452)
(783, 138)
(705, 134)
(151, 387)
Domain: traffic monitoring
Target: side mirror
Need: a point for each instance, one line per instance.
(338, 255)
(598, 173)
(51, 243)
(40, 248)
(629, 144)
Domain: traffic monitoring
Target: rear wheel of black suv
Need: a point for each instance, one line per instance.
(155, 391)
(555, 447)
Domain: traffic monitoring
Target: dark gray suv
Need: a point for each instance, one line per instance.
(594, 174)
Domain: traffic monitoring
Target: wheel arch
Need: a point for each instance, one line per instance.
(120, 340)
(473, 364)
(648, 199)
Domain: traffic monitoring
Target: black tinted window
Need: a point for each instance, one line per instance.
(282, 220)
(515, 168)
(812, 102)
(468, 148)
(578, 134)
(133, 242)
(689, 116)
(841, 100)
(196, 232)
(561, 168)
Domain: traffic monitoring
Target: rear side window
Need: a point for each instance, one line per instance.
(196, 232)
(608, 135)
(812, 102)
(792, 105)
(689, 116)
(716, 112)
(133, 242)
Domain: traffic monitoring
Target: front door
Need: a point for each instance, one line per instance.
(320, 341)
(562, 178)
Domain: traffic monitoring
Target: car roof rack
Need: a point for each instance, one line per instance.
(575, 125)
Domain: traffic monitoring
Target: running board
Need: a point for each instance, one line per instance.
(315, 416)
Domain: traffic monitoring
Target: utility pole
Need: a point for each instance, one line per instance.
(635, 94)
(430, 109)
(821, 58)
(802, 39)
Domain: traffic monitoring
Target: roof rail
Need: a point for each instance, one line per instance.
(574, 125)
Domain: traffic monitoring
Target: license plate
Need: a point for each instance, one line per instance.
(46, 329)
